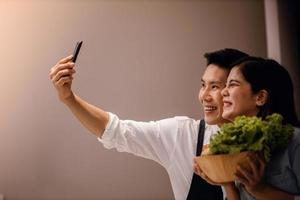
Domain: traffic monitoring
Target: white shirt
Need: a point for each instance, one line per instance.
(170, 142)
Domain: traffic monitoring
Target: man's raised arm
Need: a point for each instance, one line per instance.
(92, 117)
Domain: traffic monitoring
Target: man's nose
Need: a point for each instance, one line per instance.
(205, 96)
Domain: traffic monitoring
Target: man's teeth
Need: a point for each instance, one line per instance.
(210, 108)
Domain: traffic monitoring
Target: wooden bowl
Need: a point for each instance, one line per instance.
(221, 168)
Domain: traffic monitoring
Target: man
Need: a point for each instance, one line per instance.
(171, 142)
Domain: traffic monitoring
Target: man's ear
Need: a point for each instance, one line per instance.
(262, 97)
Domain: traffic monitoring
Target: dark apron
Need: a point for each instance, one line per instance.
(200, 189)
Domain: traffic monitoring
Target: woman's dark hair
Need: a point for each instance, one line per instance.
(269, 75)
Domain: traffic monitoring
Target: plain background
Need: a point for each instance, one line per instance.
(142, 60)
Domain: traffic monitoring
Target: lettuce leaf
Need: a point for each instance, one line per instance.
(252, 134)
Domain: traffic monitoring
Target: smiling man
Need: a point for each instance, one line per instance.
(171, 142)
(219, 64)
(213, 80)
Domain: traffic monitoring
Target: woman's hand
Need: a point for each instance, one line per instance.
(252, 178)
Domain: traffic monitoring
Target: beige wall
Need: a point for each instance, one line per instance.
(140, 59)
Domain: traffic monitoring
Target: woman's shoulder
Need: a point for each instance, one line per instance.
(295, 142)
(296, 135)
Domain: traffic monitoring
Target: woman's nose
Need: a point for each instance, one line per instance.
(224, 92)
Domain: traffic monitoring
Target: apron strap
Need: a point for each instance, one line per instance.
(200, 189)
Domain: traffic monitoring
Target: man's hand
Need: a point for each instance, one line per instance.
(93, 118)
(200, 173)
(230, 189)
(61, 76)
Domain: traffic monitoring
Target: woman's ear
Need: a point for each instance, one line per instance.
(262, 98)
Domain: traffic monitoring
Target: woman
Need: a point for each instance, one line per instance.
(259, 87)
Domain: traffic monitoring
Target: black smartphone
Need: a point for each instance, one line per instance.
(76, 51)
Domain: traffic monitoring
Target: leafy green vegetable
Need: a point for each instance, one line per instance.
(252, 134)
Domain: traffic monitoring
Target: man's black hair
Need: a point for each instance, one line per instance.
(224, 58)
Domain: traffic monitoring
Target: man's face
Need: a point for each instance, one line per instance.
(212, 83)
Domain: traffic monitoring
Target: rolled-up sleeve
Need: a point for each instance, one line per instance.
(296, 160)
(154, 140)
(296, 168)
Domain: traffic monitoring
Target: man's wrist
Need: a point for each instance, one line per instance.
(69, 100)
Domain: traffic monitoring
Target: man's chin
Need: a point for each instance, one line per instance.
(210, 121)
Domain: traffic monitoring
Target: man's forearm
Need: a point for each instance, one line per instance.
(91, 117)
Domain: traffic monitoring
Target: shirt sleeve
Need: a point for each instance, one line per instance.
(154, 140)
(296, 161)
(296, 166)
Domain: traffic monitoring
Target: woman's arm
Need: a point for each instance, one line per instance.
(231, 191)
(268, 192)
(252, 180)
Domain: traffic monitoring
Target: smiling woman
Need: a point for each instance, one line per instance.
(238, 97)
(260, 87)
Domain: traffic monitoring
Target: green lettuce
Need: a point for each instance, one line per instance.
(252, 134)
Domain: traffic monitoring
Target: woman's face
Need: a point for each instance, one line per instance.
(238, 98)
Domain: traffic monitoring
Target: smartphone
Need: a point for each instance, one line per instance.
(76, 51)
